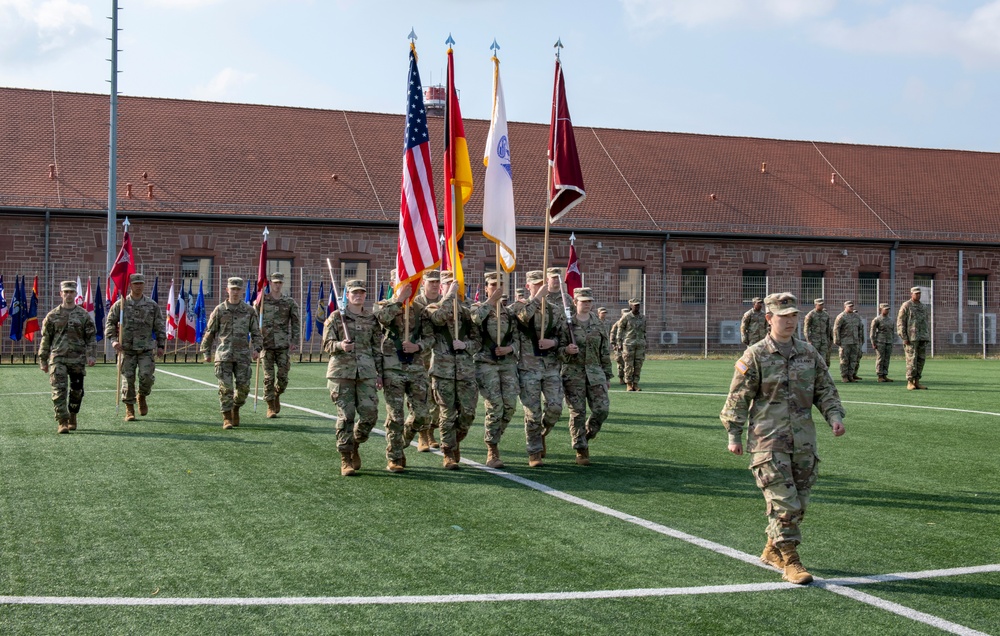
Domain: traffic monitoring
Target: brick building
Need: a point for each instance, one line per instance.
(696, 224)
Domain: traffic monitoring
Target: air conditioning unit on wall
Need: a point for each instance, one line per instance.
(729, 332)
(959, 338)
(668, 337)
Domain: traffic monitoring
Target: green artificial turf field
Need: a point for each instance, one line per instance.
(172, 525)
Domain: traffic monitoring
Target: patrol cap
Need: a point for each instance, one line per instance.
(758, 299)
(521, 293)
(554, 271)
(137, 278)
(915, 290)
(848, 303)
(535, 276)
(432, 275)
(782, 304)
(277, 277)
(600, 309)
(447, 276)
(583, 293)
(355, 284)
(68, 285)
(235, 283)
(634, 301)
(492, 277)
(819, 301)
(883, 305)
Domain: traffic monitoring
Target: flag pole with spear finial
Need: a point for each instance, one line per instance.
(260, 318)
(548, 205)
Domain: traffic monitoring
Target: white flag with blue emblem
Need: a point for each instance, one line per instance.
(498, 190)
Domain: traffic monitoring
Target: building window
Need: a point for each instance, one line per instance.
(923, 280)
(754, 284)
(812, 286)
(349, 270)
(693, 286)
(630, 283)
(195, 269)
(283, 265)
(868, 288)
(975, 289)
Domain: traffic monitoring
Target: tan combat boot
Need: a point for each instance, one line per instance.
(881, 378)
(583, 456)
(227, 420)
(346, 468)
(356, 456)
(493, 456)
(72, 422)
(62, 426)
(910, 386)
(271, 413)
(535, 460)
(396, 465)
(236, 415)
(856, 379)
(887, 378)
(917, 384)
(793, 570)
(772, 556)
(433, 443)
(449, 461)
(277, 404)
(423, 441)
(130, 412)
(143, 407)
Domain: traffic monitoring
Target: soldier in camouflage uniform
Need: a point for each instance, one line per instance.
(554, 296)
(913, 326)
(496, 366)
(234, 324)
(881, 334)
(849, 335)
(280, 327)
(67, 347)
(616, 347)
(753, 326)
(430, 292)
(775, 386)
(819, 330)
(453, 369)
(354, 375)
(632, 338)
(538, 366)
(142, 322)
(602, 315)
(404, 378)
(585, 354)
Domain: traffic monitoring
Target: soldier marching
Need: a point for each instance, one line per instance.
(135, 327)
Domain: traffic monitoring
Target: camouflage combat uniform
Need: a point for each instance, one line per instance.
(280, 329)
(772, 394)
(352, 375)
(69, 338)
(753, 327)
(538, 371)
(882, 333)
(632, 338)
(143, 319)
(433, 412)
(616, 347)
(496, 377)
(818, 332)
(849, 335)
(913, 326)
(585, 376)
(231, 324)
(404, 377)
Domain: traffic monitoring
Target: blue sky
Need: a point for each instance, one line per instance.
(920, 73)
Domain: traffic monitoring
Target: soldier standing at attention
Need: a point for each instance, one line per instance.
(234, 324)
(538, 366)
(453, 369)
(554, 296)
(753, 326)
(914, 328)
(616, 346)
(602, 316)
(632, 338)
(430, 292)
(586, 374)
(280, 331)
(819, 330)
(143, 319)
(849, 334)
(881, 334)
(496, 366)
(354, 375)
(404, 377)
(67, 347)
(775, 386)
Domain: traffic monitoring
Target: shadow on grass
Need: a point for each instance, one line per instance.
(188, 437)
(939, 587)
(856, 492)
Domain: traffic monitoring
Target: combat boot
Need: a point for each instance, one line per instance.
(423, 441)
(130, 412)
(629, 386)
(449, 461)
(881, 378)
(72, 422)
(910, 386)
(236, 416)
(271, 412)
(493, 456)
(856, 379)
(583, 456)
(772, 556)
(346, 468)
(433, 443)
(844, 378)
(917, 384)
(887, 378)
(277, 403)
(793, 570)
(227, 420)
(63, 426)
(396, 465)
(535, 460)
(356, 455)
(143, 407)
(636, 387)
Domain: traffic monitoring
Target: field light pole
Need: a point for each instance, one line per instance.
(113, 149)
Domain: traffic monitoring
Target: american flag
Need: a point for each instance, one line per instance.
(418, 225)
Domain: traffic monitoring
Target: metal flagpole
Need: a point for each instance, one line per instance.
(260, 326)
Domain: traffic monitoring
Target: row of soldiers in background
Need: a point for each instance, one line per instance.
(847, 331)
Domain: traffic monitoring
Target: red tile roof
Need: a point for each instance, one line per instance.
(224, 159)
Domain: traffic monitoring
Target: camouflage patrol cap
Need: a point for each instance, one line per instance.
(277, 277)
(535, 276)
(583, 293)
(236, 283)
(554, 271)
(355, 284)
(492, 277)
(634, 301)
(915, 290)
(432, 275)
(782, 304)
(757, 299)
(137, 278)
(600, 309)
(883, 305)
(447, 276)
(521, 293)
(68, 285)
(848, 303)
(819, 301)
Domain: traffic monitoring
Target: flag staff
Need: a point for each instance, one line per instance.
(121, 327)
(260, 318)
(496, 76)
(333, 284)
(548, 195)
(453, 244)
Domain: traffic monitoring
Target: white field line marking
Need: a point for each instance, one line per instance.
(868, 599)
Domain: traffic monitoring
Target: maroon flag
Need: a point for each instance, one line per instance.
(567, 178)
(124, 266)
(262, 264)
(573, 278)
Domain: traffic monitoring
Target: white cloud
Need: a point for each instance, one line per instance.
(696, 13)
(222, 86)
(31, 31)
